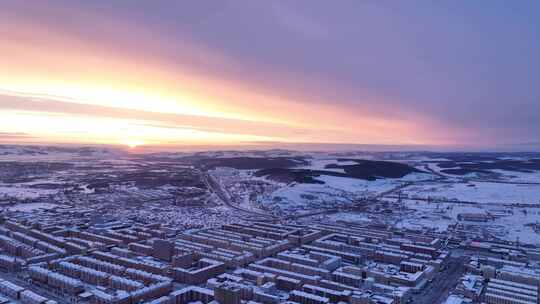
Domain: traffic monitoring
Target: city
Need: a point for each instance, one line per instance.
(269, 152)
(219, 228)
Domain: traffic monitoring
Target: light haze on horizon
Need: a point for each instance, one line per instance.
(448, 74)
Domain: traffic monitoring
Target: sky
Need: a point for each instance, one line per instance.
(447, 74)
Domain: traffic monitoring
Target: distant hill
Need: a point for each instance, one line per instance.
(14, 152)
(251, 163)
(363, 169)
(370, 169)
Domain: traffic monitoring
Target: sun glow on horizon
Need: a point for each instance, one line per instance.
(101, 94)
(133, 143)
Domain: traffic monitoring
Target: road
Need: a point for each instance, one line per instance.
(225, 197)
(437, 291)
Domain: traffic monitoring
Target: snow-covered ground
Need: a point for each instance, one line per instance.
(261, 195)
(304, 197)
(456, 299)
(321, 163)
(519, 177)
(358, 185)
(24, 192)
(31, 207)
(336, 191)
(509, 223)
(481, 192)
(353, 217)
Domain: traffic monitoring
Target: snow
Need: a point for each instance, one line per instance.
(435, 167)
(336, 190)
(258, 194)
(519, 177)
(514, 226)
(87, 190)
(481, 192)
(416, 177)
(349, 217)
(321, 163)
(432, 215)
(22, 192)
(358, 185)
(454, 299)
(509, 223)
(31, 207)
(306, 196)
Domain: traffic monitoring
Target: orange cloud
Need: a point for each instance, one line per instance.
(36, 60)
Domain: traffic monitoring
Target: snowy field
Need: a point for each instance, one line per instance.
(321, 163)
(519, 177)
(307, 196)
(31, 207)
(335, 190)
(481, 192)
(509, 223)
(338, 190)
(352, 217)
(358, 185)
(24, 192)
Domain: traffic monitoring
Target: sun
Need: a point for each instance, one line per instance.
(131, 143)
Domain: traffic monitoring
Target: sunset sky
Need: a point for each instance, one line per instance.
(172, 73)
